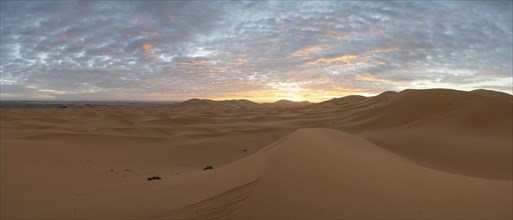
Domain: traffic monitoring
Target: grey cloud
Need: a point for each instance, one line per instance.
(175, 47)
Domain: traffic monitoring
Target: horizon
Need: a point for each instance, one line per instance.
(259, 102)
(262, 51)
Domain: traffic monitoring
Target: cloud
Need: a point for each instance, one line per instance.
(348, 59)
(147, 47)
(183, 49)
(372, 78)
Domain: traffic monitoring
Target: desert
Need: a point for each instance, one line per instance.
(425, 154)
(256, 109)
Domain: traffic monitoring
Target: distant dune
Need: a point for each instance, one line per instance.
(424, 154)
(286, 104)
(206, 104)
(494, 94)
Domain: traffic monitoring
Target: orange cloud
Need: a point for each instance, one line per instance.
(305, 51)
(384, 50)
(147, 47)
(218, 69)
(243, 59)
(348, 59)
(372, 78)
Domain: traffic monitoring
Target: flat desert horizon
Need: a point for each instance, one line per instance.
(256, 109)
(413, 154)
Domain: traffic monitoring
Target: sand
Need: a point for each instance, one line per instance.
(420, 154)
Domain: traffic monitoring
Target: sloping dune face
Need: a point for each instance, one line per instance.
(328, 174)
(324, 173)
(413, 154)
(454, 131)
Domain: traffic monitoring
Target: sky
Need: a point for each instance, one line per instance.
(257, 50)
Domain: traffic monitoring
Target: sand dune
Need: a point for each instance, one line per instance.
(494, 94)
(443, 129)
(322, 173)
(205, 105)
(411, 154)
(286, 104)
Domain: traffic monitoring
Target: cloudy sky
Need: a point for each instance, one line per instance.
(263, 51)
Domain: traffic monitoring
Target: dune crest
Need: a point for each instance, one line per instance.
(236, 104)
(286, 104)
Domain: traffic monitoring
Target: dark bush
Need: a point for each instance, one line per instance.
(154, 178)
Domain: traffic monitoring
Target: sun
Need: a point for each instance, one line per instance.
(292, 91)
(291, 96)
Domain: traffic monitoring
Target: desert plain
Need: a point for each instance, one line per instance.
(413, 154)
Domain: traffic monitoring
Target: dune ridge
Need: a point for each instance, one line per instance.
(350, 155)
(236, 104)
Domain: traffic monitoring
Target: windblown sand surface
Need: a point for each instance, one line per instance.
(421, 154)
